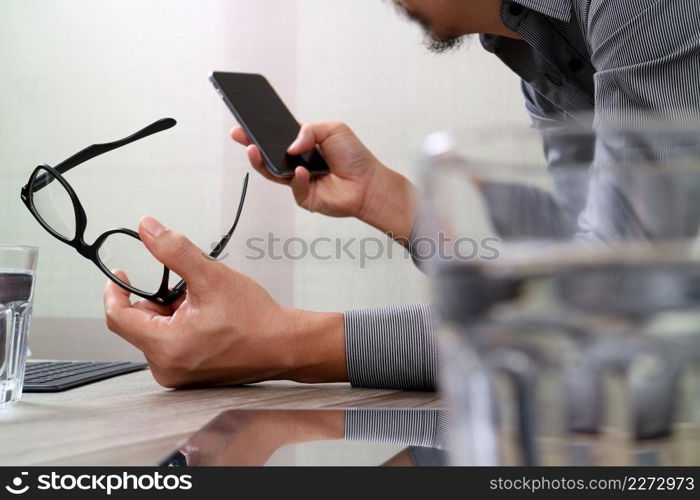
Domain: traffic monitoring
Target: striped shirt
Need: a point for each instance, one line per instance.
(425, 428)
(597, 63)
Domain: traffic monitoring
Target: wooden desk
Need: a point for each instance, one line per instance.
(131, 420)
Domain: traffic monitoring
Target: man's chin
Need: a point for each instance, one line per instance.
(438, 44)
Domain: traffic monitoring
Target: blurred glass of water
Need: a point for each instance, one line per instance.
(567, 288)
(17, 271)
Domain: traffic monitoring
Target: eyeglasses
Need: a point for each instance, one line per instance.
(54, 204)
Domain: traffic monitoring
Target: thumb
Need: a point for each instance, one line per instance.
(305, 141)
(312, 134)
(301, 186)
(176, 252)
(315, 133)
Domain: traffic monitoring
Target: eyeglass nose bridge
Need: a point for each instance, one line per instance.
(85, 250)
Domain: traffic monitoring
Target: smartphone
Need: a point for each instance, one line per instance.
(267, 121)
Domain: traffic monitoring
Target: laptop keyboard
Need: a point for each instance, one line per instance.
(53, 376)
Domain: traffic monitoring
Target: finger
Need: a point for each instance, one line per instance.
(133, 325)
(301, 185)
(178, 254)
(239, 135)
(152, 308)
(312, 134)
(255, 157)
(122, 292)
(178, 302)
(256, 160)
(144, 305)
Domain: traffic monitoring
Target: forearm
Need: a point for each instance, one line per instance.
(390, 204)
(313, 425)
(392, 348)
(315, 348)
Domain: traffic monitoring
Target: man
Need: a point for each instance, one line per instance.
(592, 62)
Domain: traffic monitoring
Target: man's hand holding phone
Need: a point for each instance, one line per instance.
(358, 184)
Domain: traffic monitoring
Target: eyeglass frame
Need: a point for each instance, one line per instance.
(165, 295)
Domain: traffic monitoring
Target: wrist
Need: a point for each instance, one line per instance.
(313, 347)
(390, 204)
(310, 425)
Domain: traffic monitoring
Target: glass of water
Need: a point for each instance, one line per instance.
(567, 286)
(17, 272)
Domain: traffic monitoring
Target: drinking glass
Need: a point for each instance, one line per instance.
(17, 273)
(570, 329)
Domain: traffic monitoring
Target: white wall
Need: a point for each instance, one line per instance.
(83, 71)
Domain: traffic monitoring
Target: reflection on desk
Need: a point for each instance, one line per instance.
(317, 438)
(131, 420)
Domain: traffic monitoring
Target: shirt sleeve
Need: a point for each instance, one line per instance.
(424, 428)
(521, 210)
(392, 348)
(646, 56)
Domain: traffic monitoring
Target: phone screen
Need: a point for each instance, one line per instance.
(267, 121)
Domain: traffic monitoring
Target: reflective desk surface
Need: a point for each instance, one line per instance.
(364, 437)
(131, 420)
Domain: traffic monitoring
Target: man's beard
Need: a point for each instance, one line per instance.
(434, 42)
(439, 45)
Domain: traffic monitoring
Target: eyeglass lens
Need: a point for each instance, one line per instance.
(53, 204)
(124, 252)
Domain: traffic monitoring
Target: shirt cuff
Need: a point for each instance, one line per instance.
(392, 348)
(423, 240)
(426, 428)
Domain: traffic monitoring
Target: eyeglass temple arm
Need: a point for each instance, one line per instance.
(218, 250)
(99, 149)
(224, 241)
